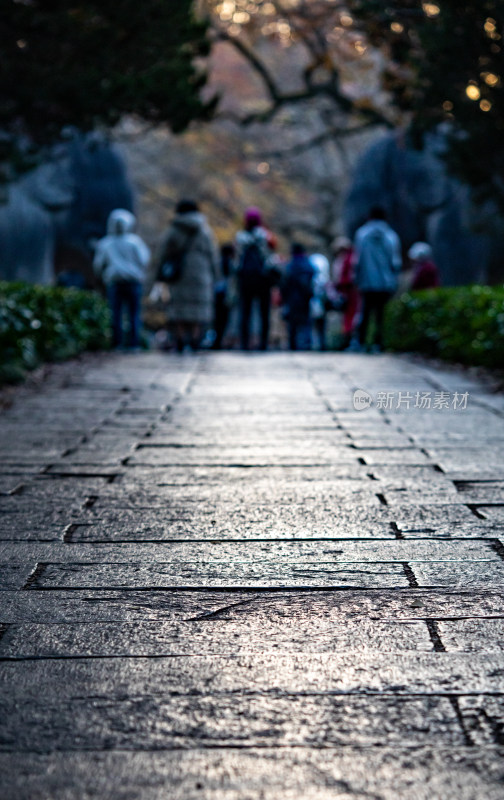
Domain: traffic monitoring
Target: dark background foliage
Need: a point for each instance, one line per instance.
(439, 49)
(86, 64)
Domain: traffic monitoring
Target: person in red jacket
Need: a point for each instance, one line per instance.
(343, 274)
(425, 272)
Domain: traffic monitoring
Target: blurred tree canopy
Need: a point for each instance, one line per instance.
(414, 64)
(87, 64)
(446, 65)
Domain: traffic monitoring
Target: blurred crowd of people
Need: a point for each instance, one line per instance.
(205, 288)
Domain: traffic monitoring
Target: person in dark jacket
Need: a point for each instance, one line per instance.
(425, 271)
(252, 257)
(297, 291)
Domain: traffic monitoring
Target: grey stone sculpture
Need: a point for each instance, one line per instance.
(53, 213)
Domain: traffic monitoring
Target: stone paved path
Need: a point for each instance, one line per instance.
(221, 581)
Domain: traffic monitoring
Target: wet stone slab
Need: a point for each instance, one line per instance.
(222, 575)
(206, 527)
(36, 524)
(416, 497)
(437, 514)
(66, 469)
(473, 635)
(247, 456)
(327, 513)
(268, 673)
(292, 426)
(289, 608)
(391, 456)
(211, 636)
(14, 576)
(33, 438)
(31, 455)
(259, 492)
(484, 719)
(456, 531)
(9, 485)
(150, 722)
(296, 774)
(20, 468)
(411, 477)
(481, 492)
(166, 500)
(467, 460)
(347, 475)
(239, 553)
(15, 528)
(493, 513)
(461, 575)
(178, 437)
(115, 447)
(41, 491)
(268, 420)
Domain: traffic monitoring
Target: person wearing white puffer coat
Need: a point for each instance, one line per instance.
(121, 260)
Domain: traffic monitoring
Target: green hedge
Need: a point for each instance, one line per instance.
(40, 323)
(464, 324)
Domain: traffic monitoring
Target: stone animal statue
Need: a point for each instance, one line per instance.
(53, 213)
(424, 203)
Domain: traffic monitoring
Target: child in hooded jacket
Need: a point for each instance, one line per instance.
(297, 292)
(121, 260)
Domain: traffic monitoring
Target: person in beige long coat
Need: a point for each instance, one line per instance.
(191, 239)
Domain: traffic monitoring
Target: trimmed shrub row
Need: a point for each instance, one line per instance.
(463, 324)
(40, 324)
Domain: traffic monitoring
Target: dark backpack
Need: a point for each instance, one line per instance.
(252, 262)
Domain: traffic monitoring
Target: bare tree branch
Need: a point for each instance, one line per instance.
(329, 88)
(333, 135)
(254, 61)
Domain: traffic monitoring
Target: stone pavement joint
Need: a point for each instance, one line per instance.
(219, 580)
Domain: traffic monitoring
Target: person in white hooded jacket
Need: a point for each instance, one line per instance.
(121, 260)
